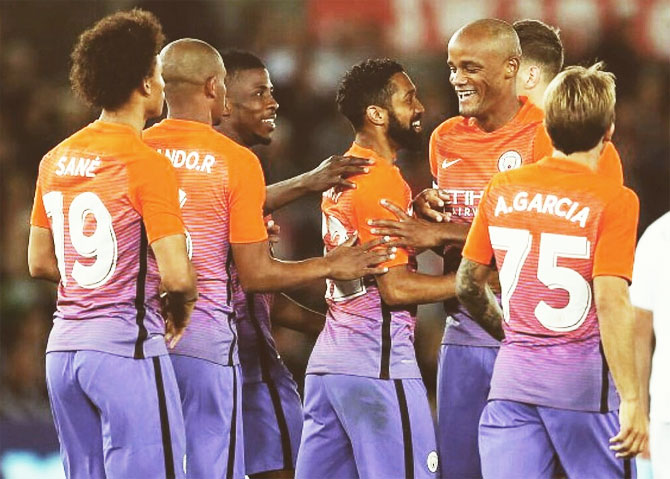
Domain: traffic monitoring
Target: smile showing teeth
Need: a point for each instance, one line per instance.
(462, 95)
(269, 122)
(416, 124)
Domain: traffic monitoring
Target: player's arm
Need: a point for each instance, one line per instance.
(617, 330)
(401, 286)
(178, 281)
(415, 232)
(292, 315)
(332, 171)
(42, 262)
(644, 345)
(474, 292)
(260, 272)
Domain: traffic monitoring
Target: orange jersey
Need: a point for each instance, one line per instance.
(222, 192)
(552, 228)
(363, 336)
(105, 196)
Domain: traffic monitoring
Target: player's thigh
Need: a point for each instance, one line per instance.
(325, 449)
(514, 443)
(76, 419)
(272, 413)
(464, 379)
(581, 440)
(388, 423)
(659, 442)
(142, 423)
(211, 399)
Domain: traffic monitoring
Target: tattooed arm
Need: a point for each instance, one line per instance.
(475, 294)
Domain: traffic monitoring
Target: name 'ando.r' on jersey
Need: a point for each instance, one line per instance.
(222, 192)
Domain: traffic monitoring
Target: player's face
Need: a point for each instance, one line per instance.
(253, 109)
(157, 96)
(477, 73)
(405, 113)
(221, 91)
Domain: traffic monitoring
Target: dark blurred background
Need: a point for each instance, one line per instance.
(307, 46)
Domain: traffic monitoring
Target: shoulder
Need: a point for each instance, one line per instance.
(446, 126)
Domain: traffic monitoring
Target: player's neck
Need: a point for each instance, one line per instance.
(226, 128)
(189, 111)
(125, 116)
(587, 158)
(377, 142)
(505, 110)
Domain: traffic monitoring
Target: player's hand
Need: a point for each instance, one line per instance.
(174, 329)
(409, 231)
(273, 232)
(348, 262)
(429, 204)
(634, 433)
(334, 171)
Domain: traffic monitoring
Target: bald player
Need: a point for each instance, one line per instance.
(222, 193)
(497, 130)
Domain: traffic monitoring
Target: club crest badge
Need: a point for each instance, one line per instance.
(509, 160)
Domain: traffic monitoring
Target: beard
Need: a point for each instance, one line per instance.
(405, 137)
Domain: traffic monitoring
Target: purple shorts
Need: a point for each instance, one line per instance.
(211, 395)
(272, 416)
(463, 383)
(522, 440)
(366, 427)
(116, 416)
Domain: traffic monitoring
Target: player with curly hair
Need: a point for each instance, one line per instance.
(102, 198)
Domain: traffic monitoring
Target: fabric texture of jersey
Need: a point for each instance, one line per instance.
(106, 196)
(222, 192)
(651, 277)
(554, 226)
(463, 158)
(362, 335)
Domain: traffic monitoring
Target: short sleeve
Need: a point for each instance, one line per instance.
(246, 198)
(367, 206)
(478, 243)
(615, 245)
(542, 145)
(432, 154)
(643, 277)
(609, 164)
(155, 195)
(38, 216)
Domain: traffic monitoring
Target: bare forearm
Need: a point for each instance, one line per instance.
(285, 192)
(476, 295)
(617, 330)
(277, 275)
(644, 338)
(418, 288)
(483, 307)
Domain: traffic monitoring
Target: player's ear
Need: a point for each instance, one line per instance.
(512, 66)
(227, 110)
(210, 87)
(376, 115)
(533, 76)
(609, 133)
(145, 87)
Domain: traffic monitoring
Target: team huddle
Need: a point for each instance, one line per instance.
(161, 361)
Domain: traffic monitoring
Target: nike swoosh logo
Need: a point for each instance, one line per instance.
(447, 164)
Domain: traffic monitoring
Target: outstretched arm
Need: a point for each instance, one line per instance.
(475, 294)
(332, 171)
